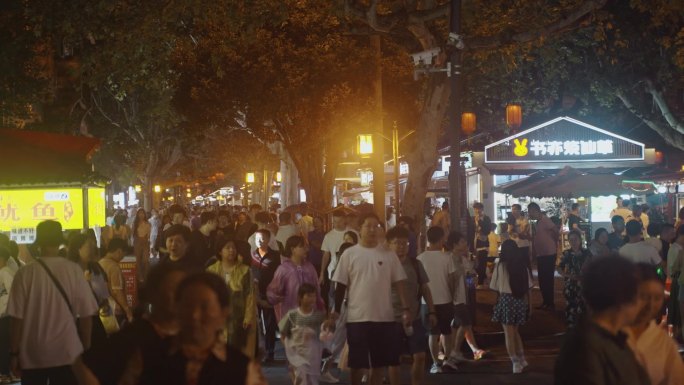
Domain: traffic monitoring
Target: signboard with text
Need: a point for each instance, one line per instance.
(24, 209)
(564, 140)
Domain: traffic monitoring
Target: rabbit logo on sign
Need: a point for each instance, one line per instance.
(520, 149)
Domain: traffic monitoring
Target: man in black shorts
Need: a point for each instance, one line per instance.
(371, 330)
(440, 270)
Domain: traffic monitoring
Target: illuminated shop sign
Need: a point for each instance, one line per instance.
(22, 210)
(564, 140)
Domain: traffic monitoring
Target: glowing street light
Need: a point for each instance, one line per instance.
(138, 188)
(279, 177)
(249, 178)
(364, 145)
(157, 188)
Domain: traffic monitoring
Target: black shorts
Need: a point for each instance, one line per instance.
(445, 314)
(461, 316)
(415, 343)
(376, 340)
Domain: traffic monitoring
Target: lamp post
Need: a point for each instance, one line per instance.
(249, 179)
(457, 203)
(364, 147)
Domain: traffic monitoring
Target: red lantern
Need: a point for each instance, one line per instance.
(514, 116)
(468, 123)
(659, 157)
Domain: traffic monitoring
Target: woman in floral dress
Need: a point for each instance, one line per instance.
(570, 267)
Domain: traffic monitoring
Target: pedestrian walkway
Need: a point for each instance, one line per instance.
(542, 337)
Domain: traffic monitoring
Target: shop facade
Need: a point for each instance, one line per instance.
(561, 143)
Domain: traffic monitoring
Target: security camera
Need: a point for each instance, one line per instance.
(456, 40)
(425, 58)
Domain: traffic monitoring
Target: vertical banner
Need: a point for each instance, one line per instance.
(128, 271)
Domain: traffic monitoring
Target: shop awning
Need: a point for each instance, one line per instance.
(573, 183)
(43, 158)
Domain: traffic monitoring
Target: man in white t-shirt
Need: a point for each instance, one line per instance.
(636, 250)
(331, 244)
(368, 272)
(286, 229)
(440, 270)
(463, 322)
(45, 339)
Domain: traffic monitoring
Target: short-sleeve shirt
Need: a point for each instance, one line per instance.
(640, 252)
(460, 295)
(331, 244)
(411, 288)
(545, 237)
(113, 271)
(49, 337)
(369, 274)
(438, 266)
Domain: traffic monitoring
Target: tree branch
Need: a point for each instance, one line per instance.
(492, 42)
(664, 108)
(674, 138)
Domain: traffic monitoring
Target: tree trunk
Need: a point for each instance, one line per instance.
(422, 159)
(316, 173)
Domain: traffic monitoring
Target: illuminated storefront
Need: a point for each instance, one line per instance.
(50, 178)
(550, 147)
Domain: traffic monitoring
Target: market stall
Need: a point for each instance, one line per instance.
(48, 176)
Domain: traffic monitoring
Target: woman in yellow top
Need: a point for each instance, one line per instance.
(240, 328)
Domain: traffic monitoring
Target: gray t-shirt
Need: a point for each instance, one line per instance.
(412, 289)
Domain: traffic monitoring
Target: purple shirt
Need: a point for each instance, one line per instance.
(282, 292)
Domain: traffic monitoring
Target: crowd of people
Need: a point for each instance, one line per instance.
(219, 287)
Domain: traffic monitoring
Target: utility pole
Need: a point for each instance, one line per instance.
(395, 159)
(456, 201)
(378, 136)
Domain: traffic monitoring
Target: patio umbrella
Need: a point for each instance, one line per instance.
(572, 183)
(526, 184)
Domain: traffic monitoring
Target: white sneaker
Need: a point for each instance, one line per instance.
(435, 369)
(523, 362)
(364, 379)
(327, 377)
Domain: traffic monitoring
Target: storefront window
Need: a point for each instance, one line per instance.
(601, 208)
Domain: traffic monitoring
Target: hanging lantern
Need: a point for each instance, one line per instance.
(249, 178)
(468, 123)
(364, 145)
(659, 157)
(514, 116)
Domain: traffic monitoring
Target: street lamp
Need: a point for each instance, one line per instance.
(279, 177)
(157, 188)
(364, 145)
(365, 149)
(249, 178)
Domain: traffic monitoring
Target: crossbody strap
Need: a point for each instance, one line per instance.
(57, 284)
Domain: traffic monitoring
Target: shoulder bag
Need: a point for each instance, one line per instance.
(59, 288)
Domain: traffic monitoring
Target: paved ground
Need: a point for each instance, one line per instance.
(542, 337)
